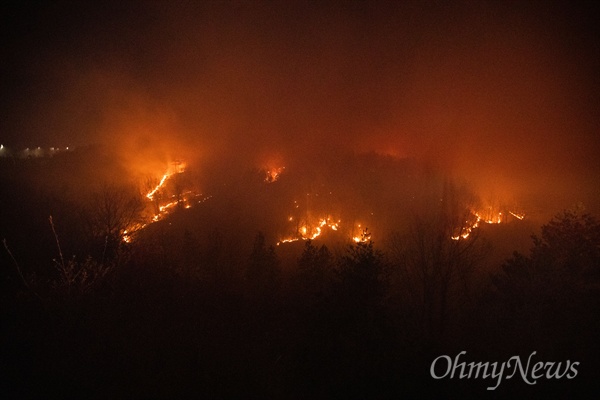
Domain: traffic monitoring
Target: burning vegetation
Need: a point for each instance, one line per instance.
(490, 217)
(316, 217)
(272, 174)
(295, 199)
(312, 274)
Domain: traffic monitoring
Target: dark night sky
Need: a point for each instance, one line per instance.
(505, 93)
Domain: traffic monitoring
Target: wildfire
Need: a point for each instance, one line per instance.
(490, 218)
(151, 193)
(312, 231)
(128, 234)
(309, 231)
(177, 167)
(184, 199)
(466, 230)
(517, 215)
(362, 239)
(364, 236)
(273, 174)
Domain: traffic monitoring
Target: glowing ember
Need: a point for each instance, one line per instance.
(128, 234)
(517, 215)
(177, 167)
(272, 174)
(361, 239)
(310, 231)
(364, 236)
(184, 199)
(490, 218)
(466, 231)
(151, 193)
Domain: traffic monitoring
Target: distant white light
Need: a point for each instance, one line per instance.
(67, 147)
(1, 146)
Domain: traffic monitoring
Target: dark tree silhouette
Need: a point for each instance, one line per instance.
(570, 242)
(360, 273)
(549, 300)
(433, 272)
(111, 212)
(566, 254)
(262, 274)
(315, 272)
(150, 183)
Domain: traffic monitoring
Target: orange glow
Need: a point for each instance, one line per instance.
(177, 167)
(489, 217)
(363, 236)
(151, 193)
(184, 198)
(128, 234)
(517, 215)
(273, 174)
(311, 231)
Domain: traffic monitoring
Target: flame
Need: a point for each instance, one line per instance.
(491, 217)
(177, 167)
(362, 239)
(364, 235)
(127, 235)
(186, 199)
(517, 215)
(311, 231)
(151, 193)
(310, 228)
(273, 174)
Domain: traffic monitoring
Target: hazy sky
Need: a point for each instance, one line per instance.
(501, 92)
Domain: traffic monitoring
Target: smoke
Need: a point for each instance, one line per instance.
(502, 95)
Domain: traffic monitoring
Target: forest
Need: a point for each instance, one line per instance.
(299, 199)
(208, 301)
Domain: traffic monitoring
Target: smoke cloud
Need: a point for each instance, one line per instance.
(502, 95)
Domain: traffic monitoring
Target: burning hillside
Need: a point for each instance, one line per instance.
(297, 198)
(341, 210)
